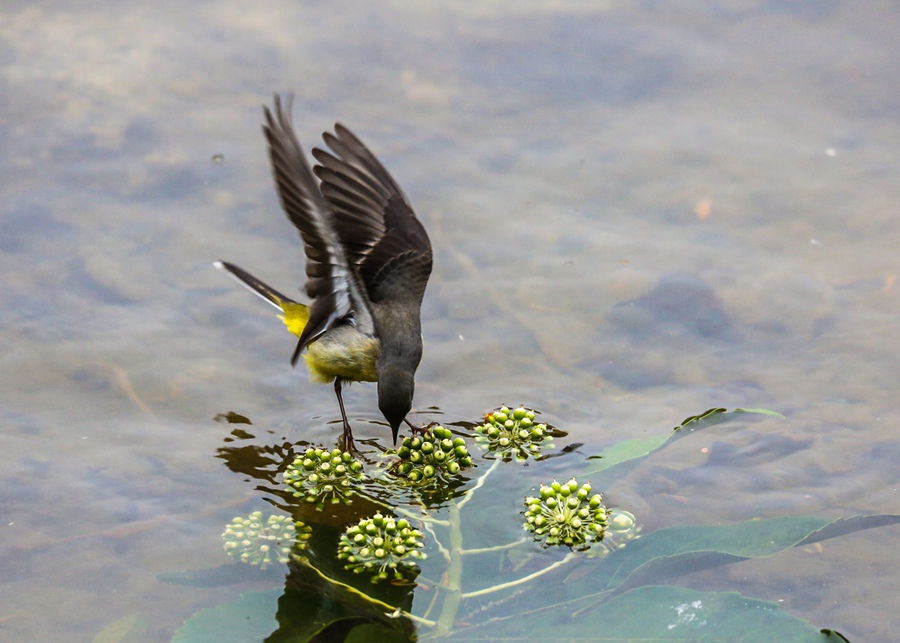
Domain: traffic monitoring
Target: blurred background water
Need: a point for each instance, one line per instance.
(638, 211)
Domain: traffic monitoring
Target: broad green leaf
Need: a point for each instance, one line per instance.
(626, 450)
(290, 616)
(660, 613)
(627, 454)
(761, 412)
(250, 618)
(659, 555)
(844, 526)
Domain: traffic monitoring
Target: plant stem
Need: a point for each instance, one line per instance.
(444, 551)
(485, 550)
(349, 588)
(423, 517)
(453, 586)
(487, 590)
(471, 492)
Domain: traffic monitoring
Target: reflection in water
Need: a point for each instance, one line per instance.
(259, 462)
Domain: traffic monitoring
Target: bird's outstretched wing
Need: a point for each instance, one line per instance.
(373, 219)
(331, 281)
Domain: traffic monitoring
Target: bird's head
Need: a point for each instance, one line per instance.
(395, 395)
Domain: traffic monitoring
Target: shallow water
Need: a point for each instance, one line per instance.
(638, 212)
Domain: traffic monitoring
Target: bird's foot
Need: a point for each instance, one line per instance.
(345, 442)
(420, 429)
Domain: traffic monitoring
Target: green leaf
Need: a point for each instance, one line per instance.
(250, 618)
(674, 613)
(844, 526)
(666, 613)
(626, 450)
(662, 613)
(291, 616)
(661, 556)
(761, 412)
(627, 454)
(667, 552)
(275, 615)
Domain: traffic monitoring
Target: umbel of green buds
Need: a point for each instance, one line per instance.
(512, 433)
(319, 476)
(383, 547)
(566, 514)
(259, 541)
(433, 454)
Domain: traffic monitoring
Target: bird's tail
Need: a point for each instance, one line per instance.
(295, 315)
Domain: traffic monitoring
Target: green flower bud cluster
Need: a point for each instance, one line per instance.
(383, 547)
(566, 514)
(512, 433)
(621, 530)
(433, 454)
(261, 542)
(320, 476)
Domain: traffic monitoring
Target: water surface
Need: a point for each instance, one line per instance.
(638, 212)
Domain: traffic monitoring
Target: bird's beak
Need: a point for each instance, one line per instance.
(395, 429)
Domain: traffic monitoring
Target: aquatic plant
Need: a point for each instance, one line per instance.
(385, 537)
(262, 542)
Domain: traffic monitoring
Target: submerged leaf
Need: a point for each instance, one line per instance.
(663, 613)
(677, 550)
(289, 615)
(627, 454)
(761, 412)
(675, 613)
(250, 618)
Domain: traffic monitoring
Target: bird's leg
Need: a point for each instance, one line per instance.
(347, 437)
(419, 429)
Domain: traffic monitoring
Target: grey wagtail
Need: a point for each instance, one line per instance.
(368, 259)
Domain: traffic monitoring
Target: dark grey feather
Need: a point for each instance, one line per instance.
(331, 281)
(373, 219)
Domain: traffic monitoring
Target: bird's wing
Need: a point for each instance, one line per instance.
(330, 281)
(373, 219)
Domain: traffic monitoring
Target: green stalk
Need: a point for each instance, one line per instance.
(453, 586)
(352, 590)
(478, 483)
(485, 550)
(525, 579)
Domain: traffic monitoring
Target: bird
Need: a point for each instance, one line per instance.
(368, 261)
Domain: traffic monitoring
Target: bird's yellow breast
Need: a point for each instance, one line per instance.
(341, 352)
